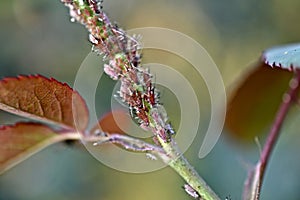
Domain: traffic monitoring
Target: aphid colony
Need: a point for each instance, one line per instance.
(124, 63)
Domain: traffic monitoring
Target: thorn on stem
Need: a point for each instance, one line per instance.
(228, 198)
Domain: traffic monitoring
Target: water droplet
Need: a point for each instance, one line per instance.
(72, 19)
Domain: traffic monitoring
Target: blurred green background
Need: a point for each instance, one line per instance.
(37, 38)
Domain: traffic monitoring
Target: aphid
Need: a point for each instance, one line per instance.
(111, 72)
(96, 5)
(93, 40)
(169, 129)
(132, 112)
(151, 95)
(98, 132)
(191, 191)
(142, 115)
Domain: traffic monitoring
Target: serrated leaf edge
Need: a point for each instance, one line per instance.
(36, 117)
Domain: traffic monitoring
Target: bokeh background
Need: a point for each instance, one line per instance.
(37, 38)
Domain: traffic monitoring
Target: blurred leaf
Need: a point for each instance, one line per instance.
(44, 99)
(254, 103)
(24, 139)
(286, 56)
(108, 122)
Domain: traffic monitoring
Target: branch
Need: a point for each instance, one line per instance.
(137, 88)
(128, 143)
(254, 181)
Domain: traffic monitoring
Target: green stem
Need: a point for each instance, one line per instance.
(108, 40)
(179, 163)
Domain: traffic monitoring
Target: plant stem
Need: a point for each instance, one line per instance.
(187, 172)
(137, 89)
(128, 143)
(169, 153)
(256, 177)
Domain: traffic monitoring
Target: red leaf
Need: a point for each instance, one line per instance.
(44, 99)
(24, 139)
(108, 124)
(253, 105)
